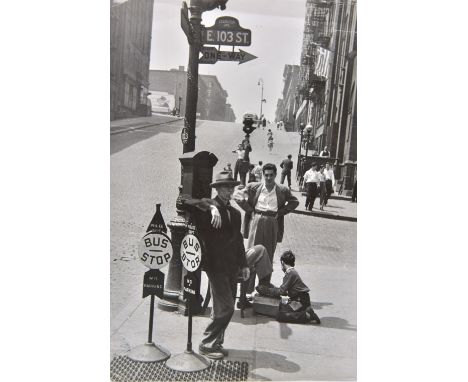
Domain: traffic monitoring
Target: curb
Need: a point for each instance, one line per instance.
(337, 197)
(326, 216)
(144, 126)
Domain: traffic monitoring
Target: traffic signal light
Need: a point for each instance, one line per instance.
(248, 121)
(208, 5)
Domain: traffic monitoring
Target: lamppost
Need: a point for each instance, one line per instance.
(301, 127)
(260, 83)
(308, 129)
(299, 161)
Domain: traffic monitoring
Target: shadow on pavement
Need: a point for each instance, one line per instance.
(250, 318)
(319, 305)
(336, 323)
(266, 360)
(285, 330)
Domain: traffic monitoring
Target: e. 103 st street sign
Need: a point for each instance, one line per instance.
(226, 31)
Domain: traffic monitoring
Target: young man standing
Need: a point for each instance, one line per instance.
(311, 181)
(329, 180)
(265, 205)
(287, 166)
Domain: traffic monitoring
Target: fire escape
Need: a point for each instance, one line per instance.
(317, 33)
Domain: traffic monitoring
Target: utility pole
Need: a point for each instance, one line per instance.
(260, 82)
(192, 77)
(178, 225)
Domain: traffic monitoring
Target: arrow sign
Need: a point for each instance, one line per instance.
(211, 55)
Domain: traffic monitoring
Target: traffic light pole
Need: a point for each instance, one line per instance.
(192, 77)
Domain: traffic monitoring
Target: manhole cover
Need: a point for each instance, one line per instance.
(123, 369)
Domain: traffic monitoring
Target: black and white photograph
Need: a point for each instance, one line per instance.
(233, 190)
(179, 191)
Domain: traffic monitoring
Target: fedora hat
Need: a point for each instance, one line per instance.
(224, 178)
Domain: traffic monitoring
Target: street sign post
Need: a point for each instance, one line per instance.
(155, 251)
(226, 31)
(211, 55)
(190, 253)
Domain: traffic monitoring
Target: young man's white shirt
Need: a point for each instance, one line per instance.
(330, 175)
(311, 176)
(267, 200)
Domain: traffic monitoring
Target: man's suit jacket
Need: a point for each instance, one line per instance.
(286, 165)
(223, 247)
(286, 203)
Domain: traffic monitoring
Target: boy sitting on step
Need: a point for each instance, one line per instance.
(298, 308)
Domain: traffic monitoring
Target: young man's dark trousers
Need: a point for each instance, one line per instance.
(328, 184)
(237, 168)
(311, 194)
(284, 175)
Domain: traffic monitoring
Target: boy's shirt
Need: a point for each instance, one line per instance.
(292, 284)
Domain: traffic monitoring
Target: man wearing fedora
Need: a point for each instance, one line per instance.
(219, 227)
(265, 204)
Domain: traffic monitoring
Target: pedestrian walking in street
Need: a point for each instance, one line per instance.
(258, 172)
(240, 157)
(224, 257)
(322, 187)
(265, 205)
(298, 308)
(251, 177)
(245, 162)
(325, 152)
(270, 143)
(287, 166)
(311, 181)
(264, 122)
(330, 180)
(247, 148)
(228, 168)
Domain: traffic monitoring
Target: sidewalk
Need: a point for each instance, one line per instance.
(122, 125)
(326, 258)
(339, 208)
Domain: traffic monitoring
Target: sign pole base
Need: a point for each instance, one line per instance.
(149, 352)
(188, 361)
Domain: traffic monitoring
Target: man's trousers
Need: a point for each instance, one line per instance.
(286, 175)
(263, 230)
(311, 188)
(259, 262)
(223, 290)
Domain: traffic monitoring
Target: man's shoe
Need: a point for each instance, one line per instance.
(222, 350)
(210, 352)
(247, 304)
(312, 316)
